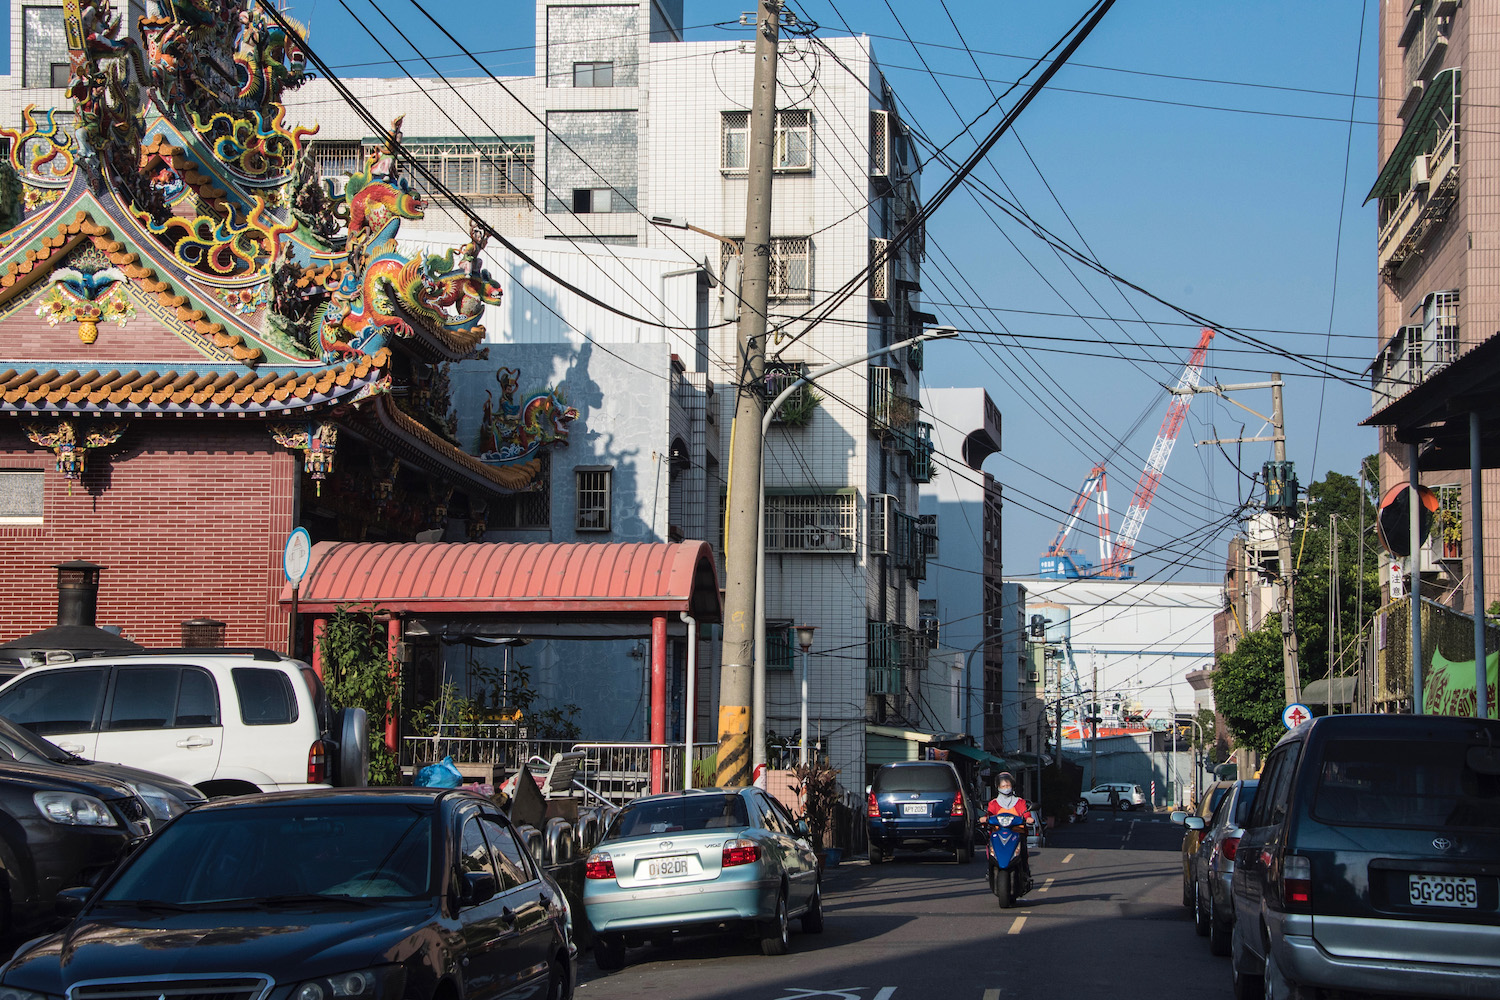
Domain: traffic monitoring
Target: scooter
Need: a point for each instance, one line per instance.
(1008, 880)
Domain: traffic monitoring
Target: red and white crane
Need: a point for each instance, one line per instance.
(1059, 562)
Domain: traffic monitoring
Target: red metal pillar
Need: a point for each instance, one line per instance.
(317, 644)
(392, 637)
(658, 700)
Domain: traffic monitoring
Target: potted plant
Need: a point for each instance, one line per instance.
(816, 784)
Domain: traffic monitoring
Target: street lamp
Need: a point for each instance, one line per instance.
(758, 700)
(804, 639)
(731, 276)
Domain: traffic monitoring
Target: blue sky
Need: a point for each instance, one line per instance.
(1203, 151)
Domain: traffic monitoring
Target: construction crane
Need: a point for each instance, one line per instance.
(1062, 563)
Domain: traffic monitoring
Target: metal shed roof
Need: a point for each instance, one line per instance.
(503, 578)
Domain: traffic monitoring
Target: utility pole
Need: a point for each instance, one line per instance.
(1284, 508)
(736, 681)
(1094, 722)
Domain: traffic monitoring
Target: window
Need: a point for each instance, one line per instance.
(793, 142)
(529, 510)
(791, 266)
(593, 499)
(679, 815)
(60, 75)
(197, 699)
(586, 200)
(1440, 328)
(510, 860)
(265, 696)
(492, 167)
(473, 852)
(44, 45)
(56, 701)
(927, 531)
(143, 698)
(593, 74)
(812, 523)
(21, 492)
(780, 645)
(1425, 784)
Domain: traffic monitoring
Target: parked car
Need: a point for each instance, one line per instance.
(1212, 796)
(1370, 861)
(1131, 796)
(1213, 865)
(701, 860)
(919, 804)
(349, 894)
(165, 797)
(230, 722)
(59, 828)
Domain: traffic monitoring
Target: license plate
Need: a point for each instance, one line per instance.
(914, 808)
(1443, 890)
(666, 867)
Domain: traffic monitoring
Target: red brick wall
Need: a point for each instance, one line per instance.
(188, 517)
(25, 335)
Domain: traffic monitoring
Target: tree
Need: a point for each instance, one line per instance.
(359, 673)
(1248, 688)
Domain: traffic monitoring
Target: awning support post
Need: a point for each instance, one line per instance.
(1476, 507)
(658, 701)
(392, 638)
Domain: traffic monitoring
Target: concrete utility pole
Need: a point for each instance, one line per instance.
(736, 677)
(1094, 722)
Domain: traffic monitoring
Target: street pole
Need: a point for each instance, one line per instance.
(736, 676)
(804, 639)
(1476, 560)
(1415, 563)
(1041, 721)
(1094, 722)
(758, 673)
(1291, 677)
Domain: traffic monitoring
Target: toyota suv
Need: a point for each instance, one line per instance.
(231, 722)
(919, 805)
(1370, 861)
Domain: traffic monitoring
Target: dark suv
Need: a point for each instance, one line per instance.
(919, 804)
(1370, 861)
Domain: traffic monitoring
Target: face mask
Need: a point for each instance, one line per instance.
(1005, 790)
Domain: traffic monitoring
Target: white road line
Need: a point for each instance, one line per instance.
(1067, 859)
(991, 994)
(1015, 928)
(1045, 886)
(885, 993)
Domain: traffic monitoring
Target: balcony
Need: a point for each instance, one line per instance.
(1429, 196)
(882, 659)
(1410, 358)
(919, 462)
(890, 409)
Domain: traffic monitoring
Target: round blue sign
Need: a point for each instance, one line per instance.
(297, 555)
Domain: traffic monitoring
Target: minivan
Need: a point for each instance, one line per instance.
(1370, 861)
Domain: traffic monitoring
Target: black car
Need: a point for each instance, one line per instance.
(1370, 862)
(919, 804)
(347, 894)
(164, 797)
(59, 829)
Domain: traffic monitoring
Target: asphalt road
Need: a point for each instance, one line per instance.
(1105, 921)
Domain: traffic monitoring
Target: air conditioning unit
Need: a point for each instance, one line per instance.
(882, 274)
(1032, 676)
(1419, 178)
(883, 510)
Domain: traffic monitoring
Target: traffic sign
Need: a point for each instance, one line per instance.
(1295, 714)
(1393, 518)
(297, 556)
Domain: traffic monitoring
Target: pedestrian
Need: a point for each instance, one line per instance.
(1114, 800)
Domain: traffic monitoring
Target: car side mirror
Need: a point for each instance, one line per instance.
(803, 830)
(1193, 822)
(478, 887)
(1178, 817)
(70, 902)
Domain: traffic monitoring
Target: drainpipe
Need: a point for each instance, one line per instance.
(692, 699)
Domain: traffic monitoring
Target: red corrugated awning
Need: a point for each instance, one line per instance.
(503, 578)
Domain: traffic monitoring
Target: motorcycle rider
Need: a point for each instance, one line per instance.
(1007, 801)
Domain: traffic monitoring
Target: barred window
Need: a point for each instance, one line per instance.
(791, 266)
(1440, 325)
(532, 510)
(793, 141)
(812, 523)
(927, 529)
(593, 499)
(21, 496)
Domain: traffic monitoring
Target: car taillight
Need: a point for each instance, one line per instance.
(872, 807)
(599, 865)
(1296, 883)
(958, 804)
(1228, 846)
(317, 763)
(739, 852)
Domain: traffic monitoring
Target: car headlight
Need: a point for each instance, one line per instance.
(366, 984)
(162, 804)
(73, 809)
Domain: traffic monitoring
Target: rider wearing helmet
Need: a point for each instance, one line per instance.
(1007, 801)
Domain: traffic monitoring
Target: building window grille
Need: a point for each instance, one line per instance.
(882, 659)
(593, 487)
(812, 523)
(927, 526)
(793, 141)
(528, 511)
(487, 168)
(1448, 535)
(1440, 327)
(791, 266)
(593, 74)
(780, 645)
(21, 493)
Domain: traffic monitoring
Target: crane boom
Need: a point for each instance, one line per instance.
(1156, 463)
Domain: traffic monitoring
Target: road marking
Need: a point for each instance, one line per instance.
(886, 992)
(1067, 859)
(992, 994)
(1045, 886)
(1015, 928)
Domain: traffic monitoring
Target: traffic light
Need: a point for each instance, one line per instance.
(1039, 626)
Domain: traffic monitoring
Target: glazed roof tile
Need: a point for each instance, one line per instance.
(115, 390)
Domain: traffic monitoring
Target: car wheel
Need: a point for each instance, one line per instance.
(963, 854)
(609, 952)
(812, 919)
(1276, 986)
(1246, 986)
(558, 986)
(1200, 915)
(776, 937)
(1125, 807)
(876, 854)
(1218, 931)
